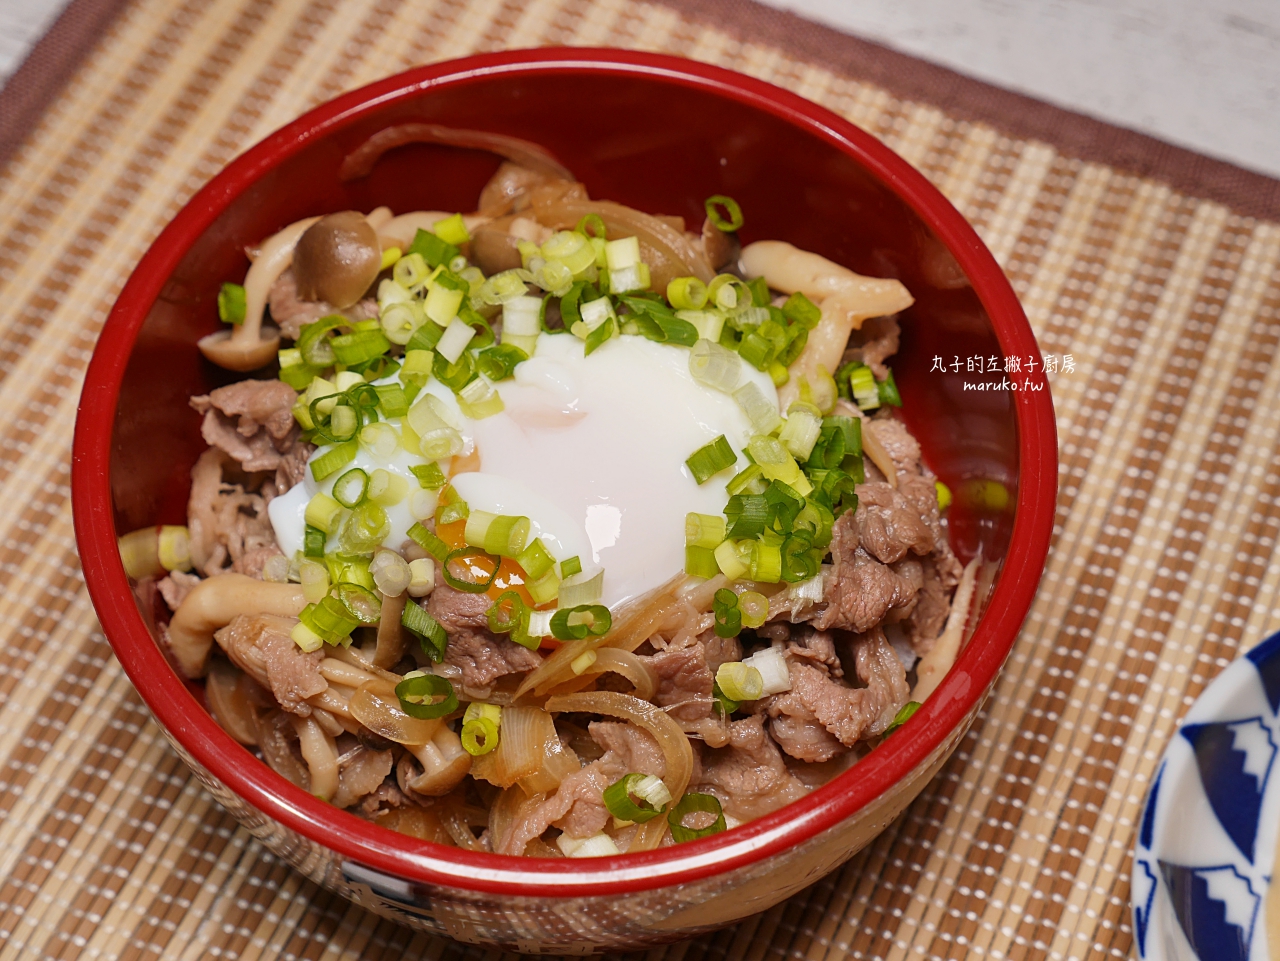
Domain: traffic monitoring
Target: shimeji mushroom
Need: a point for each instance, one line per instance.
(214, 603)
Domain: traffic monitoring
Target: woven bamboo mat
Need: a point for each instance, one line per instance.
(1155, 272)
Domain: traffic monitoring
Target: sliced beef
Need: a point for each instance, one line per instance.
(252, 420)
(748, 776)
(879, 342)
(718, 650)
(175, 587)
(481, 655)
(847, 713)
(684, 681)
(228, 525)
(860, 590)
(804, 739)
(387, 796)
(911, 570)
(903, 449)
(816, 648)
(291, 312)
(931, 610)
(577, 806)
(260, 645)
(889, 525)
(361, 772)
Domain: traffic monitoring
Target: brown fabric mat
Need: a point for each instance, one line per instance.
(1157, 281)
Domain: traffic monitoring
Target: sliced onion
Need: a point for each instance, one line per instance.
(361, 161)
(558, 762)
(376, 706)
(629, 666)
(228, 695)
(453, 817)
(423, 823)
(676, 750)
(276, 735)
(521, 747)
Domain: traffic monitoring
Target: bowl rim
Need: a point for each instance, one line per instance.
(176, 709)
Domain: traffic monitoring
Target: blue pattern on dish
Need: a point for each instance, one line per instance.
(1207, 835)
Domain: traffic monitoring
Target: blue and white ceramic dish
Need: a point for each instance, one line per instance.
(1207, 837)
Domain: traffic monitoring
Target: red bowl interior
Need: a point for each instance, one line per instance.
(656, 132)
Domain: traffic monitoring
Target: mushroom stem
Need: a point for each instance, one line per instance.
(444, 763)
(321, 755)
(214, 603)
(846, 300)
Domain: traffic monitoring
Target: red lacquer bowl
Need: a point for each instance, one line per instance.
(661, 134)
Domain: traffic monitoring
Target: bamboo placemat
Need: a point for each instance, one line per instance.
(1154, 270)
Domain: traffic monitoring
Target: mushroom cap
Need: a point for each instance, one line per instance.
(241, 353)
(337, 259)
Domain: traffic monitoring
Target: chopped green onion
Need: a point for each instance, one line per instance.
(457, 375)
(505, 613)
(731, 558)
(314, 345)
(725, 705)
(429, 542)
(425, 337)
(306, 638)
(888, 390)
(731, 220)
(715, 366)
(437, 438)
(750, 480)
(430, 476)
(452, 507)
(570, 566)
(778, 373)
(754, 607)
(426, 629)
(592, 225)
(703, 530)
(711, 459)
(500, 534)
(386, 489)
(535, 560)
(700, 561)
(392, 400)
(859, 385)
(801, 310)
(349, 569)
(759, 288)
(475, 586)
(944, 495)
(452, 230)
(740, 682)
(334, 459)
(797, 335)
(231, 304)
(313, 541)
(328, 619)
(765, 563)
(500, 362)
(479, 736)
(364, 529)
(746, 515)
(902, 717)
(350, 489)
(480, 399)
(800, 433)
(455, 340)
(599, 335)
(360, 346)
(687, 293)
(756, 351)
(360, 602)
(728, 619)
(776, 463)
(694, 803)
(575, 623)
(322, 513)
(708, 323)
(622, 253)
(434, 249)
(651, 798)
(544, 589)
(426, 696)
(799, 560)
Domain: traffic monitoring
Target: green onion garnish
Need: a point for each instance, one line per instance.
(360, 346)
(889, 395)
(329, 619)
(313, 541)
(728, 617)
(711, 459)
(360, 602)
(426, 629)
(902, 717)
(334, 459)
(535, 560)
(424, 338)
(725, 705)
(452, 230)
(599, 335)
(740, 682)
(505, 613)
(452, 508)
(434, 250)
(687, 293)
(231, 304)
(315, 347)
(350, 489)
(575, 623)
(694, 803)
(457, 375)
(731, 220)
(637, 798)
(479, 735)
(500, 362)
(754, 607)
(570, 566)
(426, 696)
(429, 542)
(703, 530)
(430, 476)
(746, 515)
(700, 561)
(469, 587)
(499, 534)
(392, 400)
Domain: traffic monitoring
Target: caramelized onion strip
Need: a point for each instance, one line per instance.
(361, 161)
(675, 747)
(629, 666)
